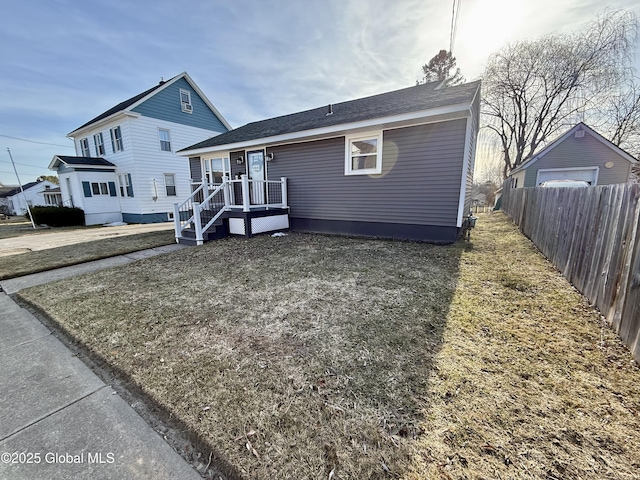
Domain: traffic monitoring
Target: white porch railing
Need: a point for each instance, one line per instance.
(198, 212)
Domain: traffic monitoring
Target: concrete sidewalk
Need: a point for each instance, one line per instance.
(14, 285)
(58, 420)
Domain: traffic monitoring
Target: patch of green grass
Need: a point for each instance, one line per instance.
(299, 356)
(43, 260)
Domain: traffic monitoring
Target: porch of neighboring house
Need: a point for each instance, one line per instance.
(222, 207)
(53, 197)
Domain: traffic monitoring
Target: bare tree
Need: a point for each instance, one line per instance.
(439, 68)
(620, 116)
(534, 89)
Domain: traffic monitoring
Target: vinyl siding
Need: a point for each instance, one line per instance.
(471, 155)
(582, 152)
(33, 195)
(195, 169)
(152, 163)
(419, 184)
(123, 160)
(165, 105)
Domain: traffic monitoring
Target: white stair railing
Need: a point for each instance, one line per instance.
(183, 211)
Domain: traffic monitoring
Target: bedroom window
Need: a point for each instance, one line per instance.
(185, 101)
(116, 139)
(363, 154)
(170, 184)
(84, 147)
(98, 141)
(165, 140)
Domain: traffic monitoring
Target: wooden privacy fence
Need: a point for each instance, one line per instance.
(592, 236)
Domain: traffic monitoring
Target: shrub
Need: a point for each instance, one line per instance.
(58, 216)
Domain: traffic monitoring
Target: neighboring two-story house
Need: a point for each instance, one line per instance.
(125, 168)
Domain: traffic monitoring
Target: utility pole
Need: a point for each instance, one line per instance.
(21, 190)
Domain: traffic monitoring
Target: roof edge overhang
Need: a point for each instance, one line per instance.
(566, 135)
(420, 116)
(128, 111)
(110, 118)
(56, 161)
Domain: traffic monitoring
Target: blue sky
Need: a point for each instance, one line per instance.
(64, 61)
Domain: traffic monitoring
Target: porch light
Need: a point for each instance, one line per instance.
(269, 156)
(240, 160)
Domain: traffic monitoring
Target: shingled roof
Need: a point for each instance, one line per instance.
(123, 105)
(406, 100)
(95, 161)
(16, 190)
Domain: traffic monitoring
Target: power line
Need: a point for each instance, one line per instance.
(33, 141)
(455, 13)
(23, 164)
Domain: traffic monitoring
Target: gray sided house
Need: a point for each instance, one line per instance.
(394, 165)
(579, 154)
(126, 167)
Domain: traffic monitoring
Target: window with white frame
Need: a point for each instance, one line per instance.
(165, 140)
(84, 147)
(363, 154)
(100, 188)
(170, 184)
(98, 141)
(124, 185)
(185, 101)
(116, 139)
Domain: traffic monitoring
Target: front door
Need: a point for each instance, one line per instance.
(257, 173)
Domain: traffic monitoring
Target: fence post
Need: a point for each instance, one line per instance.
(225, 190)
(283, 185)
(246, 199)
(176, 221)
(197, 223)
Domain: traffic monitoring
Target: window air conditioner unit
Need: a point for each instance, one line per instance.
(187, 107)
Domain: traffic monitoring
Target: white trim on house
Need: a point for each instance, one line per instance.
(104, 121)
(348, 156)
(128, 111)
(56, 161)
(565, 169)
(465, 168)
(334, 130)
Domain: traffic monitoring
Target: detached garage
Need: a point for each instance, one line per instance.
(588, 174)
(580, 154)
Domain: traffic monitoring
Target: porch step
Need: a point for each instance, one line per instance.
(219, 229)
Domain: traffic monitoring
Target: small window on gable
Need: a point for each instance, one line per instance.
(98, 141)
(363, 154)
(185, 101)
(165, 140)
(84, 146)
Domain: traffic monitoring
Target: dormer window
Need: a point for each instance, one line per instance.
(84, 147)
(185, 101)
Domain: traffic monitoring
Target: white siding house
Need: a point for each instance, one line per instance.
(16, 202)
(131, 148)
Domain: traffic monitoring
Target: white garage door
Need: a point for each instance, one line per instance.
(587, 174)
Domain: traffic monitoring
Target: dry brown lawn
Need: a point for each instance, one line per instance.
(19, 264)
(17, 226)
(308, 356)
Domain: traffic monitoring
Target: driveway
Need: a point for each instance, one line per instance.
(44, 241)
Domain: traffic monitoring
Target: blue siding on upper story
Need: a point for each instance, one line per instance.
(165, 105)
